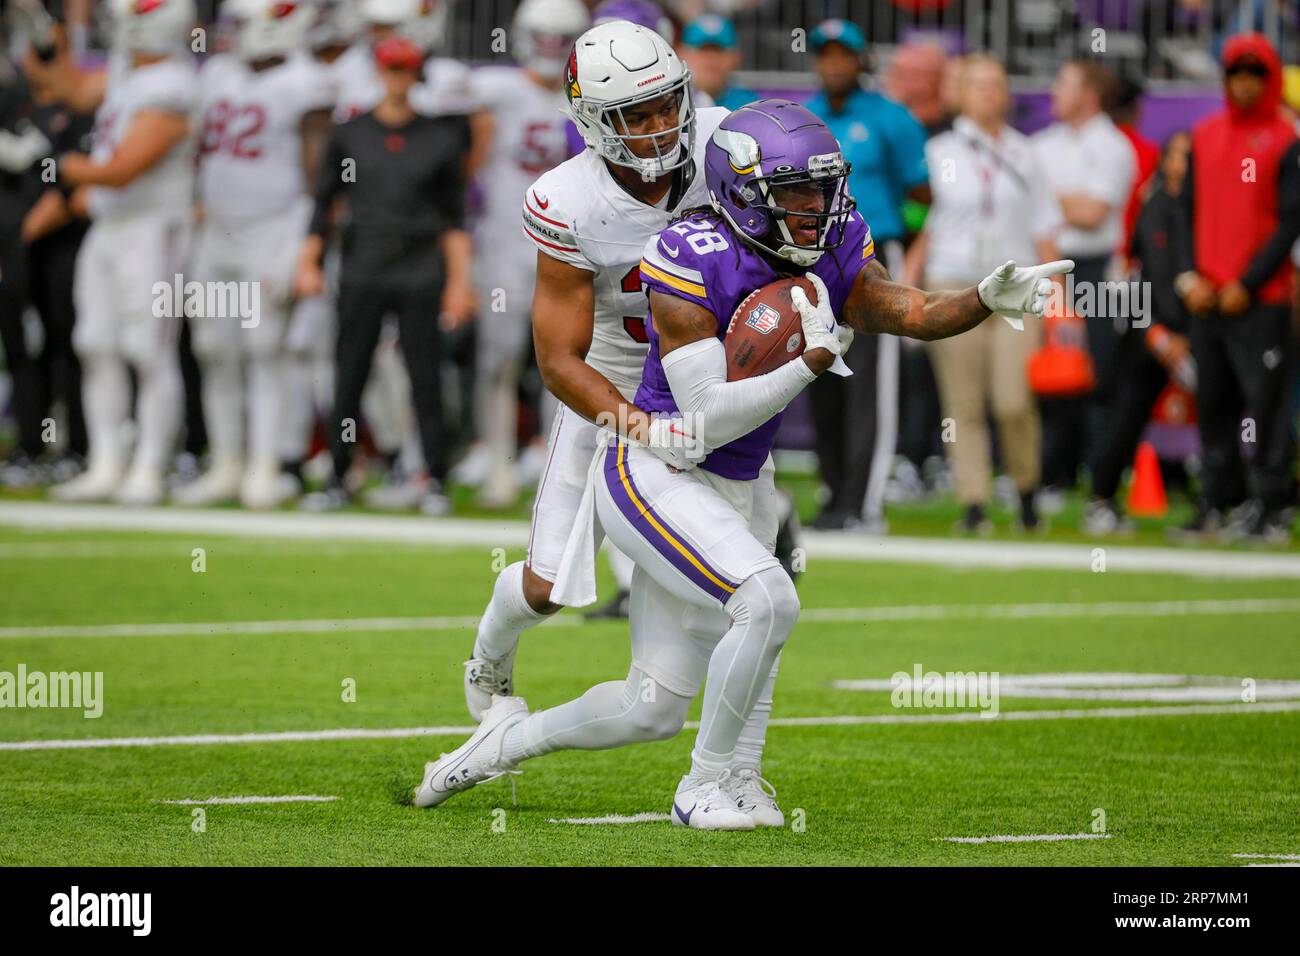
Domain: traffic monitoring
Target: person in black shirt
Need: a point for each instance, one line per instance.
(405, 250)
(1149, 358)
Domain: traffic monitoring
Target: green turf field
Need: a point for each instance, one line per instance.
(1193, 787)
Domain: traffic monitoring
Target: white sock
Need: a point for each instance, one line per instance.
(506, 617)
(266, 381)
(106, 392)
(749, 746)
(611, 714)
(763, 611)
(223, 407)
(158, 411)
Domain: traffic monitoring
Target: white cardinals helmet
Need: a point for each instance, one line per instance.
(617, 65)
(269, 28)
(152, 26)
(337, 24)
(424, 21)
(543, 34)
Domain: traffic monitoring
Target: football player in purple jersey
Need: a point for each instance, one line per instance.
(702, 539)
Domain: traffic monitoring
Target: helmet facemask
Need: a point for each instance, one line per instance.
(763, 197)
(616, 142)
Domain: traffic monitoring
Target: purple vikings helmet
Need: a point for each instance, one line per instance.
(764, 150)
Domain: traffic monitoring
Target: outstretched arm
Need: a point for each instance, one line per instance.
(877, 304)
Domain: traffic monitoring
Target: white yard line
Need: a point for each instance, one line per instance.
(838, 615)
(1028, 838)
(1267, 856)
(975, 717)
(448, 532)
(615, 818)
(835, 721)
(214, 628)
(222, 801)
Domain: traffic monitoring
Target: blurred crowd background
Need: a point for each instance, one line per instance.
(979, 130)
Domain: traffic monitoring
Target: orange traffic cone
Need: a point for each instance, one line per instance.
(1146, 494)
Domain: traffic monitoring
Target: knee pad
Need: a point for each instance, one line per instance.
(659, 717)
(767, 600)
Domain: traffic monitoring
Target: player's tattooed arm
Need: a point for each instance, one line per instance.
(878, 304)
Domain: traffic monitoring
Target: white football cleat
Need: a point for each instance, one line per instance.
(486, 678)
(218, 485)
(476, 760)
(755, 797)
(709, 806)
(97, 483)
(142, 488)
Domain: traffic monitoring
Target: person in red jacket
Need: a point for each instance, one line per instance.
(1124, 113)
(1244, 196)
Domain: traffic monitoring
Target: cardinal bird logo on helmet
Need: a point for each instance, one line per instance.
(148, 6)
(571, 75)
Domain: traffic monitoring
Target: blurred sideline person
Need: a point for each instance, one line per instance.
(856, 419)
(38, 264)
(137, 186)
(522, 124)
(309, 341)
(265, 114)
(444, 89)
(404, 250)
(1238, 292)
(991, 202)
(1149, 359)
(710, 48)
(1091, 168)
(916, 78)
(22, 147)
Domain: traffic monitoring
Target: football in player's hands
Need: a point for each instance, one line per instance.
(766, 330)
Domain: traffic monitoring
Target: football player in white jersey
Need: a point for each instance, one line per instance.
(265, 114)
(137, 186)
(521, 124)
(630, 96)
(446, 84)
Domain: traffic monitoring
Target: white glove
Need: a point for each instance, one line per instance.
(673, 443)
(1011, 292)
(820, 330)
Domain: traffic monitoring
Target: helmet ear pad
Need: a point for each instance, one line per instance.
(753, 220)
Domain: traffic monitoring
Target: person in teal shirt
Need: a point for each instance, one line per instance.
(882, 140)
(710, 49)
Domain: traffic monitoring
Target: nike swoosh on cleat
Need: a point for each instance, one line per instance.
(684, 817)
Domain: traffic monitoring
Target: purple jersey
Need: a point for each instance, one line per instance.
(701, 260)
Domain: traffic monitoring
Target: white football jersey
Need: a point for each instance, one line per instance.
(528, 139)
(251, 141)
(170, 86)
(578, 214)
(359, 88)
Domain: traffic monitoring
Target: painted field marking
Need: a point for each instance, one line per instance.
(807, 616)
(454, 532)
(1028, 838)
(615, 818)
(223, 801)
(849, 720)
(1156, 688)
(1267, 856)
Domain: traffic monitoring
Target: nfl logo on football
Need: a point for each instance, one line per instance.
(763, 319)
